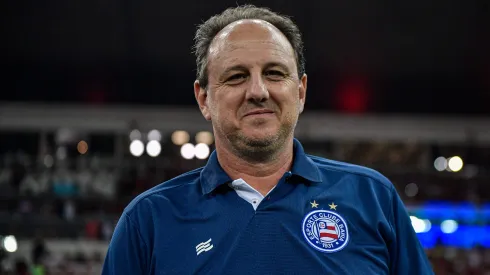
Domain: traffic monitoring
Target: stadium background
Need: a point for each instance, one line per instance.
(97, 106)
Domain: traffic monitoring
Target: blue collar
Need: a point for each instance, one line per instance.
(213, 174)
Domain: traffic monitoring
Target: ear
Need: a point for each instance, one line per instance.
(201, 96)
(302, 92)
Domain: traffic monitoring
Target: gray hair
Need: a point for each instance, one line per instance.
(209, 29)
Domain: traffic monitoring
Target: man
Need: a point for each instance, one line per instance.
(261, 205)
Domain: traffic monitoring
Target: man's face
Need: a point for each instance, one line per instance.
(254, 95)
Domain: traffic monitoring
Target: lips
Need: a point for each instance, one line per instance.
(259, 112)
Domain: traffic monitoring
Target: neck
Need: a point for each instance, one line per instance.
(262, 176)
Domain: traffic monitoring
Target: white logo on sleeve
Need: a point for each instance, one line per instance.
(203, 247)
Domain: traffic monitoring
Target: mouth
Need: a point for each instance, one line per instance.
(259, 112)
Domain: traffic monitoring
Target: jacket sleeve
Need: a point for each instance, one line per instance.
(407, 255)
(127, 252)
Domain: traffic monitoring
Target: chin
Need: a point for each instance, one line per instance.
(261, 133)
(260, 138)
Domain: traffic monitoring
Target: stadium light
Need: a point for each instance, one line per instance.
(154, 135)
(48, 161)
(449, 226)
(9, 244)
(204, 137)
(135, 135)
(180, 137)
(82, 147)
(61, 153)
(153, 148)
(428, 225)
(455, 164)
(201, 151)
(419, 225)
(440, 164)
(411, 189)
(137, 148)
(188, 151)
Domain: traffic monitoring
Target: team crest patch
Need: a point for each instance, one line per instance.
(325, 230)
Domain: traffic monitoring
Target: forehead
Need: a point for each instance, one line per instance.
(250, 41)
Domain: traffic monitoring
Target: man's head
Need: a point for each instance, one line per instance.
(250, 81)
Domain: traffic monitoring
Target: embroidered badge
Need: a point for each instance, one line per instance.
(325, 231)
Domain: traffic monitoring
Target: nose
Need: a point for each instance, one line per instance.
(257, 91)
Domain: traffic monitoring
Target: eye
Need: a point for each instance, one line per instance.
(274, 74)
(236, 79)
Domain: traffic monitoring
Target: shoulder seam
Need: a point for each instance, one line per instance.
(133, 224)
(392, 214)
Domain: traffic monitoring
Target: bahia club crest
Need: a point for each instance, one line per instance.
(325, 231)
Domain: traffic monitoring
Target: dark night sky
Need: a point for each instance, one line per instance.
(381, 56)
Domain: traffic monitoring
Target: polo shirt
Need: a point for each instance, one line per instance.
(248, 193)
(322, 217)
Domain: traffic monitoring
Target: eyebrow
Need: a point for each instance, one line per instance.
(277, 64)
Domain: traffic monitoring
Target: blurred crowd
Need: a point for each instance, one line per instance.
(83, 177)
(81, 198)
(44, 262)
(453, 261)
(445, 261)
(68, 199)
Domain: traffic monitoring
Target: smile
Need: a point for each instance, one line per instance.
(260, 113)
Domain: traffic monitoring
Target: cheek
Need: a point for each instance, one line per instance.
(288, 100)
(227, 112)
(226, 107)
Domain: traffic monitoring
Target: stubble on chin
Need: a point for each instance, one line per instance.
(258, 150)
